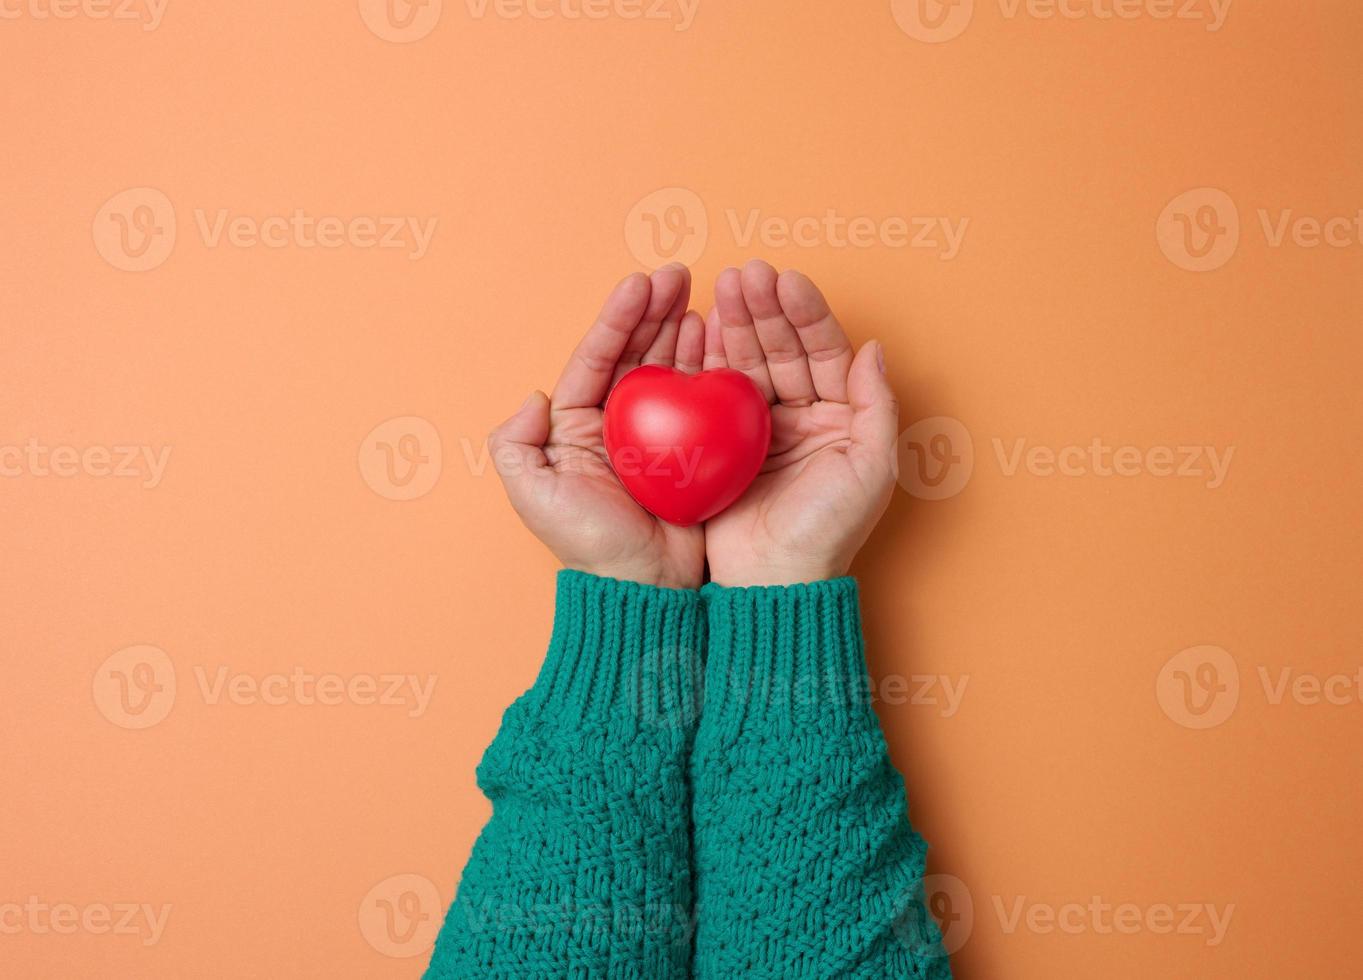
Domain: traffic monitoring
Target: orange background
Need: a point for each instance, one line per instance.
(1061, 598)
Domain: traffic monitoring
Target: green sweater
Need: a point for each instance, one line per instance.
(637, 833)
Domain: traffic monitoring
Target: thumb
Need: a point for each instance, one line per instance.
(517, 444)
(875, 411)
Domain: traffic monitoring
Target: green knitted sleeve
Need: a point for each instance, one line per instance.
(805, 862)
(584, 870)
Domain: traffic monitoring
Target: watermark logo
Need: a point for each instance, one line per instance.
(401, 21)
(135, 229)
(1199, 687)
(933, 21)
(669, 225)
(400, 916)
(401, 458)
(1199, 230)
(949, 902)
(936, 457)
(135, 687)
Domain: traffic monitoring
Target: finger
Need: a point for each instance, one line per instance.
(663, 350)
(690, 343)
(665, 285)
(741, 346)
(587, 376)
(714, 343)
(875, 413)
(825, 342)
(516, 447)
(786, 361)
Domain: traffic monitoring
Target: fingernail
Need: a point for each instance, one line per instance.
(880, 356)
(528, 399)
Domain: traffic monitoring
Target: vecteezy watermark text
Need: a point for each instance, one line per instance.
(146, 12)
(1200, 687)
(406, 21)
(941, 234)
(1104, 918)
(681, 14)
(672, 224)
(1206, 463)
(1212, 13)
(303, 687)
(938, 21)
(39, 918)
(303, 230)
(953, 907)
(936, 459)
(136, 230)
(1200, 230)
(34, 459)
(674, 462)
(136, 688)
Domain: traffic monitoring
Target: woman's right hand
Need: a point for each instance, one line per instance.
(830, 472)
(552, 459)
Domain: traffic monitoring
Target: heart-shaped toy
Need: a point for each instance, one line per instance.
(686, 446)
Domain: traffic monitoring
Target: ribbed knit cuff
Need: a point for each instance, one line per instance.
(622, 654)
(785, 658)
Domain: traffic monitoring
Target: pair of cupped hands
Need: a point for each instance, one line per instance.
(828, 475)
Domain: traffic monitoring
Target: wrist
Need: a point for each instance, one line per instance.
(621, 653)
(785, 659)
(783, 573)
(660, 577)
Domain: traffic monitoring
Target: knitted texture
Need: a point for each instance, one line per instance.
(608, 799)
(806, 865)
(584, 869)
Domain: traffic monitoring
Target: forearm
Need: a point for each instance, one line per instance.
(584, 868)
(806, 864)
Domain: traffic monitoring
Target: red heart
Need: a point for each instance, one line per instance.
(686, 446)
